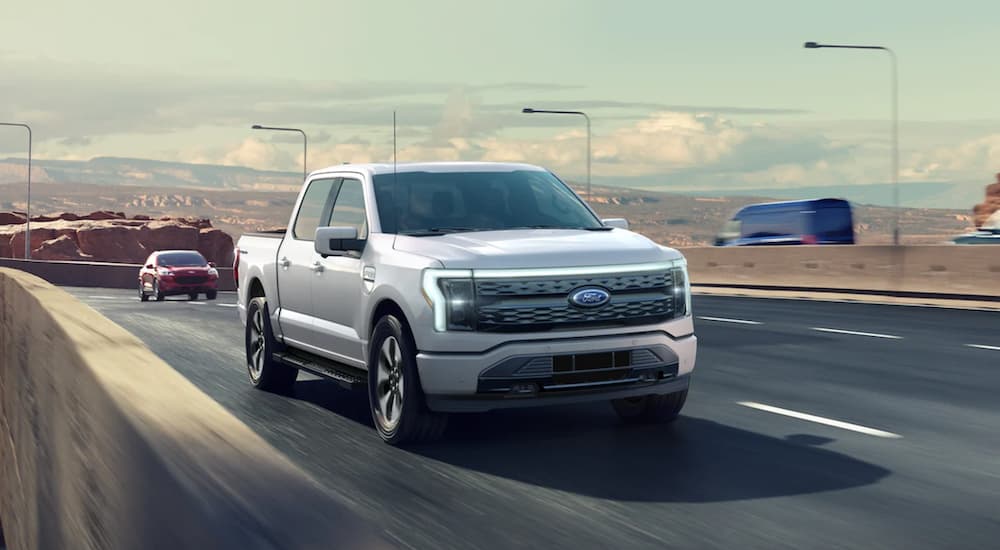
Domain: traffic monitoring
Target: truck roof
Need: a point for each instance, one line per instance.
(387, 168)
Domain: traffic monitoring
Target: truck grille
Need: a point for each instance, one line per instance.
(191, 279)
(543, 303)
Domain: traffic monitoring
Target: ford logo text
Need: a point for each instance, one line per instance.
(589, 297)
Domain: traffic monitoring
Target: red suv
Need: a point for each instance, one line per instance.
(177, 272)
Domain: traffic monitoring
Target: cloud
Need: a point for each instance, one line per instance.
(111, 100)
(259, 154)
(974, 158)
(80, 141)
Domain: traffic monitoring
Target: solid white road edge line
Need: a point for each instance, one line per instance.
(981, 346)
(820, 420)
(726, 320)
(856, 333)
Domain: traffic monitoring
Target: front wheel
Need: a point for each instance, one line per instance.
(651, 408)
(399, 409)
(211, 294)
(193, 296)
(160, 296)
(265, 372)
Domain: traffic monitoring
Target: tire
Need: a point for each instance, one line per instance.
(160, 296)
(211, 294)
(393, 376)
(193, 296)
(264, 371)
(142, 293)
(651, 408)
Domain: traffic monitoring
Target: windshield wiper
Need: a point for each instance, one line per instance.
(435, 231)
(572, 228)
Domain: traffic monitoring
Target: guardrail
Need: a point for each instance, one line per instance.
(105, 446)
(933, 271)
(95, 274)
(957, 272)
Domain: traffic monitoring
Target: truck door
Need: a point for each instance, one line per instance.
(297, 262)
(338, 288)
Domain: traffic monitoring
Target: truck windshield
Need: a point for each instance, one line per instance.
(428, 203)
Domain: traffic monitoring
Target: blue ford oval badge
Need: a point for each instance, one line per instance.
(589, 297)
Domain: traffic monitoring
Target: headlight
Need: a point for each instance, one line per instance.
(213, 272)
(451, 294)
(164, 271)
(681, 289)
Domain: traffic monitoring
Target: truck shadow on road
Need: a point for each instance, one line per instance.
(693, 460)
(585, 449)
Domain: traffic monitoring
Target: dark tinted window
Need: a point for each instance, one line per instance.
(833, 223)
(180, 259)
(313, 204)
(349, 210)
(414, 202)
(774, 223)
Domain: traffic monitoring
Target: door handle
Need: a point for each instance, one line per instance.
(284, 262)
(317, 267)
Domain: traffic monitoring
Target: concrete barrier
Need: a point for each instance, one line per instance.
(933, 271)
(104, 446)
(95, 274)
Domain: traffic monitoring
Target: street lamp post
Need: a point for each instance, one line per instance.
(27, 213)
(528, 110)
(305, 143)
(895, 122)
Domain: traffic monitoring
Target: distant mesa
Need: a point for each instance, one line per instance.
(986, 210)
(106, 236)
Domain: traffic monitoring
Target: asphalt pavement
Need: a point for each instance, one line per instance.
(808, 425)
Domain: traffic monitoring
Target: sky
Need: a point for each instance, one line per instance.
(692, 95)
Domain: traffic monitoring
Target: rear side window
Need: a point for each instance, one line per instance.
(781, 223)
(833, 223)
(311, 209)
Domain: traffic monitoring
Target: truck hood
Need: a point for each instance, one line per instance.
(536, 248)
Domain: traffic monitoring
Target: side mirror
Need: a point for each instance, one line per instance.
(337, 241)
(620, 223)
(211, 264)
(149, 266)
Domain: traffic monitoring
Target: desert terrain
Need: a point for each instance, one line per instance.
(676, 220)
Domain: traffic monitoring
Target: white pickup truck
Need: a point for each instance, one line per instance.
(464, 287)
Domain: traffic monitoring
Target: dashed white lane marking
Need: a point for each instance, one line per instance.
(196, 303)
(104, 297)
(226, 305)
(820, 420)
(856, 333)
(981, 346)
(726, 320)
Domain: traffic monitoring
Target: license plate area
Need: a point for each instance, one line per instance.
(584, 368)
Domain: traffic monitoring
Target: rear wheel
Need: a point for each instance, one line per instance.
(142, 292)
(651, 408)
(265, 372)
(398, 406)
(211, 294)
(160, 296)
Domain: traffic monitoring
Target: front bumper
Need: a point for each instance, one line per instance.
(544, 372)
(168, 286)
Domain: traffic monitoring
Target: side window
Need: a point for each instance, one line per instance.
(312, 207)
(349, 210)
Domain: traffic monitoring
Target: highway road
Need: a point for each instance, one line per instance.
(809, 425)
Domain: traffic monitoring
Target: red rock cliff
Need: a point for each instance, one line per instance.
(111, 237)
(992, 203)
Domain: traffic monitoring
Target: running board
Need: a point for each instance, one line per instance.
(347, 376)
